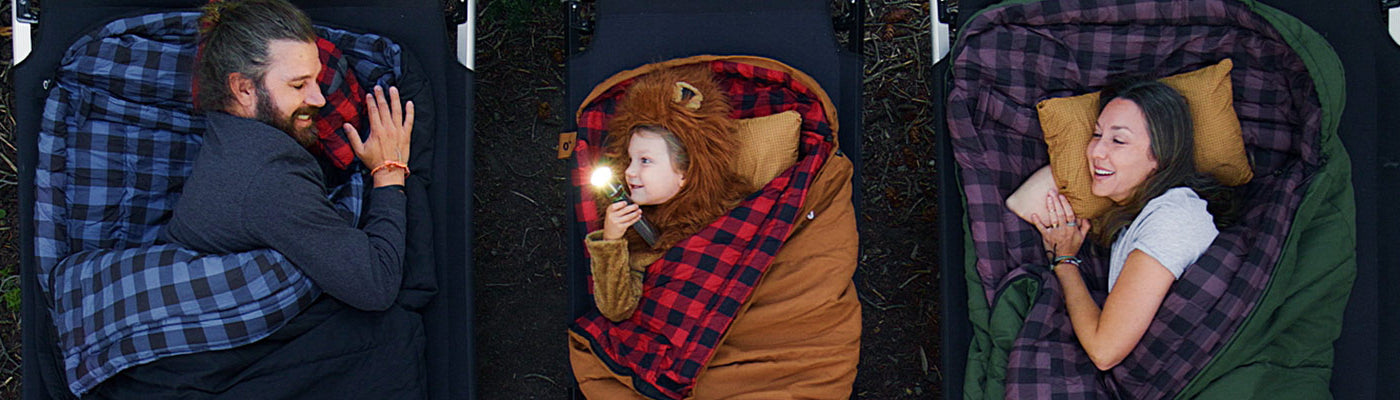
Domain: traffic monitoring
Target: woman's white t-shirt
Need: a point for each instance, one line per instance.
(1174, 228)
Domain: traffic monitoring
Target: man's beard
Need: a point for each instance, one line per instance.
(267, 114)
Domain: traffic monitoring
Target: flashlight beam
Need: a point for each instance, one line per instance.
(602, 177)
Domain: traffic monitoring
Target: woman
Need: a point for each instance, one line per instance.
(1141, 156)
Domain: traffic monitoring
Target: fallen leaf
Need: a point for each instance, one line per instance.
(893, 197)
(898, 15)
(543, 110)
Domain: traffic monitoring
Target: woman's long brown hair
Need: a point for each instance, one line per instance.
(1172, 138)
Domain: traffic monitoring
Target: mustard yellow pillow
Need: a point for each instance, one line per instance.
(767, 146)
(1068, 123)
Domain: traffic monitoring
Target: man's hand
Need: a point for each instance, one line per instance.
(390, 126)
(620, 216)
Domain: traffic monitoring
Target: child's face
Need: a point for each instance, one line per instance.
(651, 178)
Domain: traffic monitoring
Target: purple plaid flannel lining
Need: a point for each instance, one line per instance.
(1015, 56)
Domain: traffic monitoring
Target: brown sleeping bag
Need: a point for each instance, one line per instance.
(773, 349)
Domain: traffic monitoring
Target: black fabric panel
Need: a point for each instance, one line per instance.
(420, 27)
(329, 351)
(1385, 228)
(953, 322)
(419, 278)
(450, 317)
(630, 33)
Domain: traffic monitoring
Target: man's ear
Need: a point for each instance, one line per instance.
(244, 91)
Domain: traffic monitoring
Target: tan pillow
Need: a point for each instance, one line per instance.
(767, 146)
(1068, 123)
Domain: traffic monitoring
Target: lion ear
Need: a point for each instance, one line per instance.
(687, 95)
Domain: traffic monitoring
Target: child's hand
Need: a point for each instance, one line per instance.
(620, 217)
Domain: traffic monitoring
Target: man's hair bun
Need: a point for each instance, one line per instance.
(212, 12)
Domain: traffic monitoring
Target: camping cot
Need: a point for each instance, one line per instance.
(413, 32)
(1334, 241)
(628, 34)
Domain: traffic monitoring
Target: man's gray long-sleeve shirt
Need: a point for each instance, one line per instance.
(254, 187)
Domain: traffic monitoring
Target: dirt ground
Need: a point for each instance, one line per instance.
(10, 342)
(520, 206)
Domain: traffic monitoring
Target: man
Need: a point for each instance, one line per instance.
(255, 185)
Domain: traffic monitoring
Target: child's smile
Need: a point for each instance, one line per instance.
(651, 177)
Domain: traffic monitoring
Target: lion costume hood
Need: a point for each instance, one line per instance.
(688, 102)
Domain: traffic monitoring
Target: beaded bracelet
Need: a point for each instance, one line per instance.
(1065, 260)
(391, 164)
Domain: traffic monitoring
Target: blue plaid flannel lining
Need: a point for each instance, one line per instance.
(118, 139)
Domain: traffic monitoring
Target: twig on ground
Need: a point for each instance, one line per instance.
(910, 210)
(923, 360)
(527, 198)
(530, 175)
(545, 378)
(872, 77)
(877, 306)
(877, 293)
(911, 279)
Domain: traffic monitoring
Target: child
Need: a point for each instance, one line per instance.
(674, 141)
(782, 290)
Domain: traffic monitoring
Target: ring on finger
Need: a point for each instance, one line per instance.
(1071, 224)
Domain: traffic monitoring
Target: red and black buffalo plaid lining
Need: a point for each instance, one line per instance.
(344, 103)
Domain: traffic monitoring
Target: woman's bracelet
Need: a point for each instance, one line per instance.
(1065, 260)
(390, 164)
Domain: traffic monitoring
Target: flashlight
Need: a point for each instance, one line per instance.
(602, 179)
